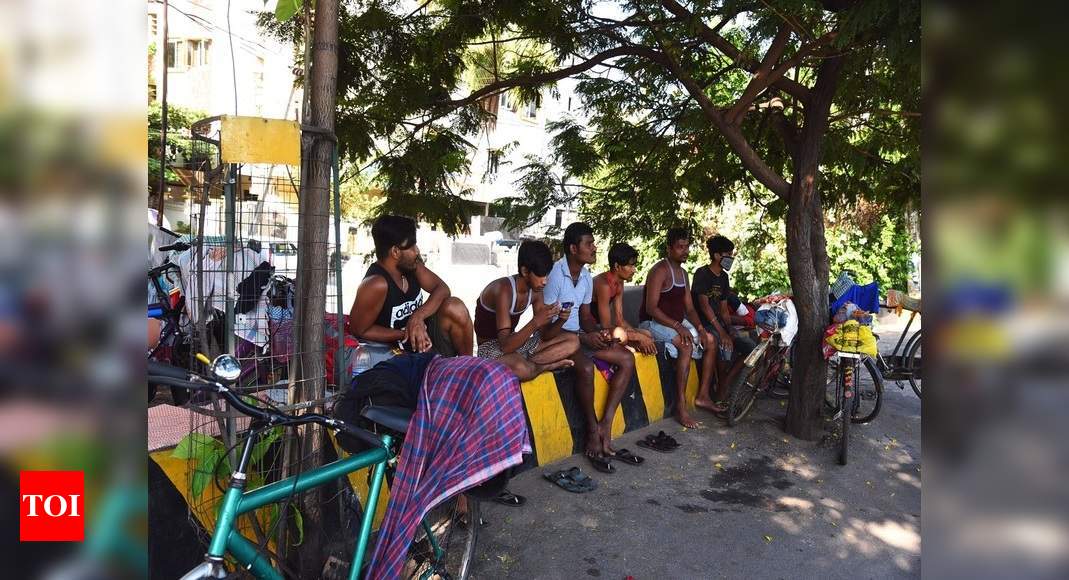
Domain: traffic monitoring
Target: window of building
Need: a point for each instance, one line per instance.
(152, 26)
(508, 101)
(559, 219)
(170, 52)
(530, 109)
(197, 52)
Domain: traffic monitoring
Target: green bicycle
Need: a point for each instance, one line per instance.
(444, 543)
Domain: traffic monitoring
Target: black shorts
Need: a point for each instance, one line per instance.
(744, 345)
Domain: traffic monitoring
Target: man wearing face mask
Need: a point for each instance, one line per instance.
(711, 291)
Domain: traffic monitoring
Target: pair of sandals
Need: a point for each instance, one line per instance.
(603, 463)
(572, 480)
(661, 442)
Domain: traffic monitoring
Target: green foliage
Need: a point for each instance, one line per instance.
(879, 254)
(647, 155)
(877, 251)
(179, 120)
(286, 9)
(207, 456)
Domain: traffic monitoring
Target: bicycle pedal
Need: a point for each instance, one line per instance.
(335, 569)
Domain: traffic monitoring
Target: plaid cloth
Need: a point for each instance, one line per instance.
(468, 426)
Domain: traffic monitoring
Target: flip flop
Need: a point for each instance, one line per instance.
(510, 499)
(601, 463)
(668, 440)
(628, 457)
(652, 442)
(573, 480)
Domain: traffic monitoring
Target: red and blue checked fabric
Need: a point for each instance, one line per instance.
(468, 426)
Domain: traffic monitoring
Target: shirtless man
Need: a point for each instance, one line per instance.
(608, 304)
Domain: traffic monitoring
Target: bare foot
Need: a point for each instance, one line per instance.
(685, 420)
(561, 364)
(594, 445)
(606, 439)
(706, 405)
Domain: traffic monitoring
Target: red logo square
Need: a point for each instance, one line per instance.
(51, 506)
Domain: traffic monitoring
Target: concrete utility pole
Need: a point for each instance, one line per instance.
(312, 247)
(163, 121)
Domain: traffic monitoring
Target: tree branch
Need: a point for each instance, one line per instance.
(750, 159)
(759, 83)
(542, 78)
(725, 46)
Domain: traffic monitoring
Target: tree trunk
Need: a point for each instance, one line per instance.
(312, 246)
(807, 258)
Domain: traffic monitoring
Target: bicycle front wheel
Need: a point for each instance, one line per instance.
(453, 529)
(744, 391)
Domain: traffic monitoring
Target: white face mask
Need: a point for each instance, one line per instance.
(726, 262)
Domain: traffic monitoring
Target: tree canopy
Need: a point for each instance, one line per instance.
(684, 102)
(796, 104)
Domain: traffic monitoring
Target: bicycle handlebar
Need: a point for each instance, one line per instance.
(172, 376)
(177, 246)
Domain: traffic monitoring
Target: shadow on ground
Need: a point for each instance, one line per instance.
(731, 503)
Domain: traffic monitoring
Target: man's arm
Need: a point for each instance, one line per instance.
(550, 296)
(511, 340)
(691, 313)
(601, 293)
(437, 289)
(707, 310)
(593, 335)
(369, 300)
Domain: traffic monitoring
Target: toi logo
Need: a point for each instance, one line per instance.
(51, 506)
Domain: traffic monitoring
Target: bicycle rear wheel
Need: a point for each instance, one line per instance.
(455, 532)
(868, 394)
(912, 363)
(744, 391)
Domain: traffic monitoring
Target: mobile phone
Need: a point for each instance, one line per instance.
(566, 305)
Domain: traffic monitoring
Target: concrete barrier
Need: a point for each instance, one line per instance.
(554, 420)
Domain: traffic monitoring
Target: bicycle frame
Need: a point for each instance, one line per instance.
(236, 502)
(892, 366)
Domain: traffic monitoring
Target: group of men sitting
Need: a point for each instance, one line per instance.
(577, 318)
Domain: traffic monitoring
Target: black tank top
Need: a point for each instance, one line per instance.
(398, 305)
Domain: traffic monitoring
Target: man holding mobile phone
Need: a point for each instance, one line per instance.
(570, 285)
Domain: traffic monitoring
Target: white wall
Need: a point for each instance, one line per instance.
(210, 87)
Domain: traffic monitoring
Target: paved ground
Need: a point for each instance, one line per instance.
(748, 502)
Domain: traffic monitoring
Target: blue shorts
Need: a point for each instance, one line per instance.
(666, 335)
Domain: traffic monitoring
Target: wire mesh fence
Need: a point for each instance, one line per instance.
(238, 285)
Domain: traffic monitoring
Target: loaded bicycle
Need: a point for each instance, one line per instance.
(444, 543)
(846, 399)
(762, 369)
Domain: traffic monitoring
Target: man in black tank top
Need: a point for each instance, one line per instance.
(390, 306)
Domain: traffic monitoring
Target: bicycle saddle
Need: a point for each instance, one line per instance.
(392, 418)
